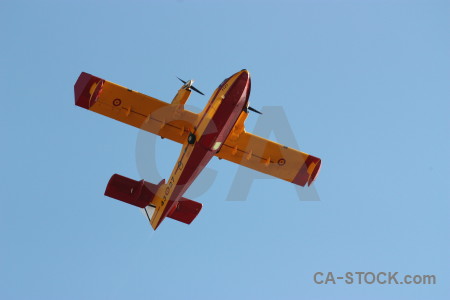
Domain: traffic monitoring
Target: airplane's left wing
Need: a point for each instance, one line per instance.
(271, 158)
(133, 108)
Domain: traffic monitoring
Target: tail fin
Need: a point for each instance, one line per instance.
(185, 211)
(141, 194)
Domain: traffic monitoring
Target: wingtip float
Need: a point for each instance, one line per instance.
(217, 131)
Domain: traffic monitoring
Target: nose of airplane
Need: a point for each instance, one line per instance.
(244, 76)
(245, 73)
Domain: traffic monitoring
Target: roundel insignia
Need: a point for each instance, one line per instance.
(281, 162)
(117, 102)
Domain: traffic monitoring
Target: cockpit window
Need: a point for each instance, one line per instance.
(223, 82)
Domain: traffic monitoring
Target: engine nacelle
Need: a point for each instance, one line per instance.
(182, 96)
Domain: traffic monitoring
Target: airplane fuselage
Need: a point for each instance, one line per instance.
(213, 126)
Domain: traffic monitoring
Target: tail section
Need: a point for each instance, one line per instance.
(142, 193)
(137, 193)
(185, 211)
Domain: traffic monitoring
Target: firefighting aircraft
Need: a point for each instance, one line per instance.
(217, 131)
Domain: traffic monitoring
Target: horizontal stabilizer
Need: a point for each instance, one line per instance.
(141, 194)
(137, 193)
(185, 211)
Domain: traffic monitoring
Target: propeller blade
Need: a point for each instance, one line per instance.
(254, 110)
(191, 86)
(181, 80)
(195, 89)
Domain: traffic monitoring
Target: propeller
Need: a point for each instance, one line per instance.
(254, 110)
(190, 86)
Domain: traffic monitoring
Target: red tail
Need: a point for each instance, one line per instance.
(137, 193)
(141, 193)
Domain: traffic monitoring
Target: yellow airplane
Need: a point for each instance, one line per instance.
(217, 131)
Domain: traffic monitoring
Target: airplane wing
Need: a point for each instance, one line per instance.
(270, 158)
(133, 108)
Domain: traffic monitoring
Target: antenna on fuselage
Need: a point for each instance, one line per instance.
(189, 85)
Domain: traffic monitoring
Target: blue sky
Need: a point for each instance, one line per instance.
(364, 85)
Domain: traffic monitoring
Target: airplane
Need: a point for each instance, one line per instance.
(216, 131)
